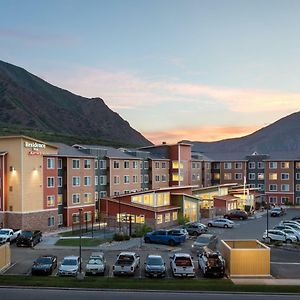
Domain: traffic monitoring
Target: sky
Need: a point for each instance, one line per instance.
(201, 70)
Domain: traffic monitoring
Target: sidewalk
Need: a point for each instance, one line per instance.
(265, 281)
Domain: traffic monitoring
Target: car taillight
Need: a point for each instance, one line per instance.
(174, 269)
(113, 267)
(131, 268)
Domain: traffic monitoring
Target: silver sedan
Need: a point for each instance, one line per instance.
(225, 223)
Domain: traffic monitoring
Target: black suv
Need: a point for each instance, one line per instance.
(29, 238)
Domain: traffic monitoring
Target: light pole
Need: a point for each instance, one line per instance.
(80, 218)
(267, 218)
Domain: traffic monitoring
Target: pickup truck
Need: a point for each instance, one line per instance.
(126, 264)
(29, 238)
(164, 237)
(182, 265)
(8, 235)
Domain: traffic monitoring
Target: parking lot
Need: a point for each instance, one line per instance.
(285, 263)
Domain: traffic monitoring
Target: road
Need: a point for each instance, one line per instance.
(49, 294)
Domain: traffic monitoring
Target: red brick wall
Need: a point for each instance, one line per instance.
(72, 210)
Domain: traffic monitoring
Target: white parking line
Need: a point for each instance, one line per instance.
(284, 263)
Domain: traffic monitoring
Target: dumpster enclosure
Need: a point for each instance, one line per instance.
(246, 258)
(5, 256)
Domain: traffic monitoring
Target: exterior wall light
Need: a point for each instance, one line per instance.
(11, 169)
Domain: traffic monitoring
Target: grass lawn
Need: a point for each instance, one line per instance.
(137, 283)
(84, 242)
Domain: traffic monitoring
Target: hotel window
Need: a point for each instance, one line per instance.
(140, 219)
(126, 192)
(238, 165)
(116, 164)
(157, 178)
(156, 165)
(76, 181)
(116, 179)
(285, 176)
(285, 187)
(96, 180)
(96, 196)
(148, 200)
(251, 176)
(163, 178)
(102, 194)
(146, 178)
(87, 163)
(251, 165)
(273, 165)
(60, 220)
(59, 181)
(175, 164)
(146, 165)
(261, 176)
(273, 199)
(252, 185)
(126, 164)
(75, 218)
(88, 216)
(297, 164)
(162, 199)
(102, 164)
(297, 200)
(273, 176)
(103, 180)
(142, 178)
(227, 165)
(216, 166)
(59, 164)
(297, 176)
(51, 221)
(116, 193)
(260, 165)
(50, 201)
(163, 165)
(75, 198)
(227, 176)
(59, 199)
(238, 176)
(167, 217)
(50, 182)
(159, 219)
(193, 177)
(193, 165)
(126, 178)
(284, 200)
(141, 165)
(96, 164)
(87, 180)
(134, 179)
(137, 199)
(216, 176)
(285, 165)
(174, 215)
(87, 198)
(198, 165)
(134, 164)
(50, 163)
(297, 187)
(261, 186)
(273, 187)
(75, 164)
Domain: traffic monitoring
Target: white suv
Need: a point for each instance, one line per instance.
(182, 265)
(278, 235)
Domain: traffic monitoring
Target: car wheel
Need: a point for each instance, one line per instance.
(209, 224)
(225, 226)
(226, 217)
(288, 241)
(195, 233)
(172, 243)
(147, 240)
(241, 218)
(267, 240)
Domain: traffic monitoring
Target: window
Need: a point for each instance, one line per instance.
(285, 187)
(261, 186)
(102, 194)
(273, 187)
(50, 200)
(146, 178)
(298, 187)
(116, 164)
(146, 165)
(134, 164)
(76, 181)
(175, 165)
(59, 199)
(157, 178)
(216, 166)
(75, 218)
(227, 176)
(126, 178)
(142, 178)
(50, 163)
(59, 181)
(126, 192)
(163, 165)
(297, 176)
(96, 164)
(285, 165)
(75, 198)
(159, 219)
(227, 165)
(60, 220)
(102, 164)
(193, 165)
(251, 165)
(174, 215)
(75, 163)
(167, 217)
(297, 200)
(126, 164)
(51, 221)
(59, 164)
(116, 193)
(103, 180)
(273, 165)
(297, 164)
(116, 179)
(134, 179)
(87, 163)
(216, 176)
(273, 176)
(87, 180)
(252, 185)
(88, 216)
(261, 176)
(238, 165)
(96, 196)
(87, 198)
(163, 178)
(285, 176)
(238, 176)
(156, 165)
(273, 199)
(260, 165)
(284, 200)
(50, 182)
(96, 180)
(251, 176)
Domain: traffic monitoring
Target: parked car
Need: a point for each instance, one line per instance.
(278, 235)
(44, 265)
(96, 264)
(155, 266)
(182, 265)
(221, 222)
(29, 238)
(236, 214)
(276, 212)
(164, 237)
(196, 228)
(69, 266)
(290, 222)
(204, 240)
(126, 264)
(211, 263)
(8, 235)
(179, 232)
(292, 231)
(292, 225)
(297, 218)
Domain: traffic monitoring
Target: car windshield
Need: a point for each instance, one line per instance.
(95, 261)
(183, 261)
(44, 260)
(4, 231)
(154, 261)
(69, 262)
(202, 239)
(27, 233)
(125, 260)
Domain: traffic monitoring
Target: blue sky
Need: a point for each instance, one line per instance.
(200, 70)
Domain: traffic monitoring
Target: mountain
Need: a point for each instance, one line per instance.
(31, 105)
(283, 135)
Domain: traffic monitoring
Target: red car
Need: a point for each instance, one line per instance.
(236, 214)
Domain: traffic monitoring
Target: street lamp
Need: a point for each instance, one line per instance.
(267, 218)
(80, 218)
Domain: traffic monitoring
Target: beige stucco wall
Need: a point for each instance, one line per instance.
(5, 256)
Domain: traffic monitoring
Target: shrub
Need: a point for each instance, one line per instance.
(126, 237)
(118, 236)
(182, 220)
(140, 231)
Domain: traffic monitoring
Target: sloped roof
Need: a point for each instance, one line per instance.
(66, 150)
